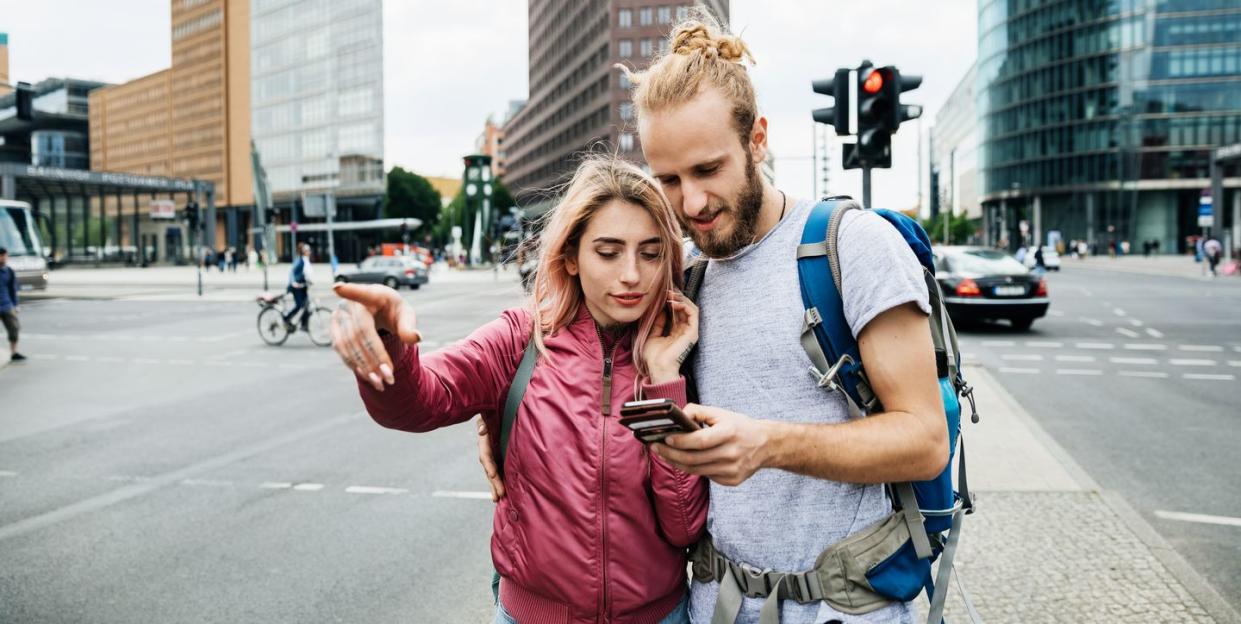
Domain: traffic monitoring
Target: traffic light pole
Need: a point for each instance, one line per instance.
(866, 188)
(198, 255)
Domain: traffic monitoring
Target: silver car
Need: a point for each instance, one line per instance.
(391, 271)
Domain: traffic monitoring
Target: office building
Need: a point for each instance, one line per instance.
(578, 102)
(953, 153)
(1097, 118)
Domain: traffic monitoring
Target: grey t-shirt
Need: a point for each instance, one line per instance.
(749, 360)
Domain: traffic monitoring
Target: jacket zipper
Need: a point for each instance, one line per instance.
(606, 409)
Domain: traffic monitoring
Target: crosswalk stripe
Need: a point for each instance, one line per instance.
(366, 489)
(1189, 362)
(1124, 360)
(1078, 371)
(1204, 348)
(1095, 345)
(1146, 347)
(1019, 371)
(1075, 358)
(1209, 377)
(1154, 333)
(1200, 518)
(451, 494)
(1128, 333)
(1044, 344)
(1022, 357)
(1145, 374)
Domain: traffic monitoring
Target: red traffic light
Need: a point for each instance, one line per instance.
(873, 82)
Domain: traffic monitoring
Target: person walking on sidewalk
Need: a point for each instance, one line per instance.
(8, 305)
(301, 276)
(593, 527)
(1211, 249)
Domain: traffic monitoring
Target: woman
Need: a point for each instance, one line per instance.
(592, 526)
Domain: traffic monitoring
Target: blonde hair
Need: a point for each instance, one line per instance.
(556, 295)
(701, 54)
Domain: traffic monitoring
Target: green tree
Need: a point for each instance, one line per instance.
(960, 227)
(410, 195)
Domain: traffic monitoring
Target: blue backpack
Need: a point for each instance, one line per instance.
(931, 510)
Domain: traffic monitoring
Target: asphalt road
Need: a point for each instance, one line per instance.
(158, 463)
(1139, 378)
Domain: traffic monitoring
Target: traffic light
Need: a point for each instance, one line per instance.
(191, 215)
(896, 85)
(838, 88)
(874, 116)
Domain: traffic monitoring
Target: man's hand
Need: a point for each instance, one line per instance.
(355, 330)
(728, 452)
(489, 462)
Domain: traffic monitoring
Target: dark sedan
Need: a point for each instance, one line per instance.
(982, 284)
(391, 271)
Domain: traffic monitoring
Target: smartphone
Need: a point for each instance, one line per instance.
(653, 420)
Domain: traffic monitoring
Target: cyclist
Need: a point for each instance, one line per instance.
(300, 278)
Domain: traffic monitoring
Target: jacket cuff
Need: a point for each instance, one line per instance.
(674, 390)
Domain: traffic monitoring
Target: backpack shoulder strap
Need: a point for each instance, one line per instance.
(516, 392)
(825, 334)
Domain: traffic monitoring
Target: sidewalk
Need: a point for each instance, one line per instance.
(1046, 544)
(1167, 266)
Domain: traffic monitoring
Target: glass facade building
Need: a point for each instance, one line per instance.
(317, 94)
(1098, 116)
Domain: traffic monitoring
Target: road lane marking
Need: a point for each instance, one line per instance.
(44, 356)
(1128, 333)
(1145, 374)
(1021, 357)
(1199, 518)
(1044, 345)
(1189, 362)
(145, 361)
(180, 362)
(1146, 347)
(127, 492)
(1055, 313)
(998, 343)
(1118, 312)
(1090, 321)
(1209, 377)
(275, 485)
(77, 358)
(1124, 360)
(1075, 358)
(308, 487)
(207, 482)
(1095, 345)
(8, 473)
(1234, 363)
(109, 359)
(1134, 322)
(1154, 333)
(1078, 371)
(452, 494)
(367, 489)
(1201, 348)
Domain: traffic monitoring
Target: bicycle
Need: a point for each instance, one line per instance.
(272, 329)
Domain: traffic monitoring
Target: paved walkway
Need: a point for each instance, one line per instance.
(1170, 266)
(1048, 545)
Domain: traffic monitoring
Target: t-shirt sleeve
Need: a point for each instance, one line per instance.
(878, 270)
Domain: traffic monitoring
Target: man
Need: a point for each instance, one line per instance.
(300, 278)
(1212, 249)
(792, 471)
(8, 304)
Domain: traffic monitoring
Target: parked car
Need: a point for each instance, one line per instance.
(1051, 258)
(391, 271)
(980, 284)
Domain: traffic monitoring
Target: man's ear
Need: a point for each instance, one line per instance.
(758, 140)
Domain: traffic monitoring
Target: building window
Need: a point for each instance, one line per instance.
(644, 16)
(663, 46)
(682, 13)
(626, 142)
(624, 18)
(626, 48)
(626, 111)
(645, 48)
(665, 15)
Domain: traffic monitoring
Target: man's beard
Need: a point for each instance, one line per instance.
(745, 211)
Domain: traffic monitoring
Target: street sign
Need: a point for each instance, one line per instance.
(163, 209)
(1206, 218)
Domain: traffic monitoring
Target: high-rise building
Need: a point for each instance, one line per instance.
(191, 120)
(1097, 117)
(953, 152)
(317, 95)
(491, 143)
(578, 101)
(57, 136)
(5, 87)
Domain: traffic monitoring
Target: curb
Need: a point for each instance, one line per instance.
(1190, 579)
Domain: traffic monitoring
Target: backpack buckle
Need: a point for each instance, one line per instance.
(830, 379)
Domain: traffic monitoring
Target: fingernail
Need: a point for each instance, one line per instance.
(387, 373)
(375, 380)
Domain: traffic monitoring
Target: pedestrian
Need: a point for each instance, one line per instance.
(8, 305)
(777, 499)
(596, 320)
(1211, 250)
(252, 257)
(1040, 264)
(230, 258)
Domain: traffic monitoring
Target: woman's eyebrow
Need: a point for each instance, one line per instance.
(617, 241)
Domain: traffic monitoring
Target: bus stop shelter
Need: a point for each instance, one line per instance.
(98, 216)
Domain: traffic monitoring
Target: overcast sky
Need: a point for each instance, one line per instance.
(447, 65)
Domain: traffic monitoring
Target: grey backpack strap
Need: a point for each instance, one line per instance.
(517, 391)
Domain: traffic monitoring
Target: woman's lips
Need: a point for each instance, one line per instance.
(628, 299)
